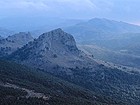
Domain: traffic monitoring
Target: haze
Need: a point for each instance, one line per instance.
(120, 10)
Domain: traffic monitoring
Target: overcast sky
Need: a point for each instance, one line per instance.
(122, 10)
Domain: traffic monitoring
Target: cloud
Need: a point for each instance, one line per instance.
(51, 7)
(113, 9)
(21, 7)
(21, 4)
(71, 8)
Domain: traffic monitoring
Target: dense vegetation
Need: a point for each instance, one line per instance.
(119, 85)
(60, 92)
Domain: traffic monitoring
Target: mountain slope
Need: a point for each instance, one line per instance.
(56, 52)
(116, 57)
(97, 29)
(12, 43)
(17, 81)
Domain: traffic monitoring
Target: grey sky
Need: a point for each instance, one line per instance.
(122, 10)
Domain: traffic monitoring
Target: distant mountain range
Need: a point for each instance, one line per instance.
(104, 32)
(97, 29)
(36, 25)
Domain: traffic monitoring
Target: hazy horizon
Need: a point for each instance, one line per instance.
(127, 10)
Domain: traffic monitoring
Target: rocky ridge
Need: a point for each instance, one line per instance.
(14, 42)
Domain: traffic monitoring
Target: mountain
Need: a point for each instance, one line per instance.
(123, 42)
(97, 29)
(20, 85)
(119, 37)
(12, 43)
(119, 50)
(55, 52)
(5, 32)
(54, 48)
(117, 57)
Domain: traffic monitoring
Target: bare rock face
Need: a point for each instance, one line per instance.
(14, 42)
(57, 42)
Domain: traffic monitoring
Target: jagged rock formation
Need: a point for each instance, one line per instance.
(53, 48)
(14, 42)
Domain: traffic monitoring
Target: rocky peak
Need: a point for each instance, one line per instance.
(57, 40)
(58, 35)
(52, 48)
